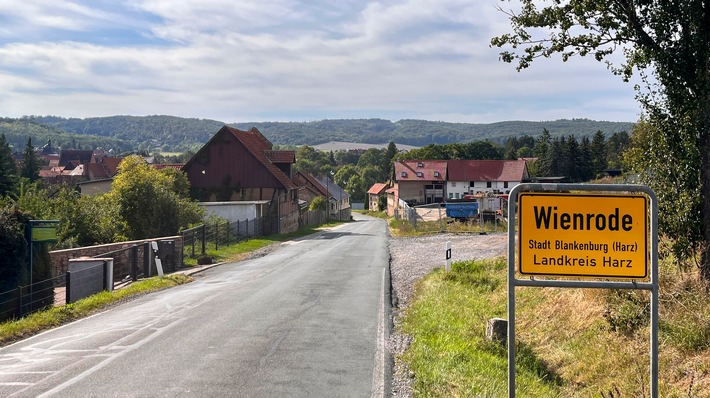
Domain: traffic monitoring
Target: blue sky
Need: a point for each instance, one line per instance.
(286, 60)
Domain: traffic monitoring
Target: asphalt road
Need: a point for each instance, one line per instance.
(304, 321)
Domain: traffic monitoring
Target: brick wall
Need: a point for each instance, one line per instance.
(121, 262)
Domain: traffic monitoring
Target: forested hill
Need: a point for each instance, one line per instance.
(175, 134)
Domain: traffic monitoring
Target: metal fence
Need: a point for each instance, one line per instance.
(405, 212)
(129, 264)
(23, 300)
(486, 221)
(214, 235)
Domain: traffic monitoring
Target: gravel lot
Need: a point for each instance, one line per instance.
(413, 258)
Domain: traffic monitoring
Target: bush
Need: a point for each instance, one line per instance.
(318, 203)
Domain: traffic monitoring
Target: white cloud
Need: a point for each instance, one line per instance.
(255, 60)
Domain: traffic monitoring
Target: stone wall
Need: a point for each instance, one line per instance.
(121, 257)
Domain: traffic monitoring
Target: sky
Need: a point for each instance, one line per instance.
(287, 60)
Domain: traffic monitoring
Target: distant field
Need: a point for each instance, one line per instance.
(345, 146)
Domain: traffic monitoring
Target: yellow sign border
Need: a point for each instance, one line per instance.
(523, 253)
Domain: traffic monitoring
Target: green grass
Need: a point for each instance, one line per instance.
(571, 342)
(32, 324)
(450, 355)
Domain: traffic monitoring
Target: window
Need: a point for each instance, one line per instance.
(436, 174)
(404, 174)
(420, 174)
(489, 184)
(457, 195)
(451, 195)
(420, 164)
(505, 184)
(453, 183)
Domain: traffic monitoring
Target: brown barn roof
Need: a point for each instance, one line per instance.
(281, 156)
(80, 156)
(258, 146)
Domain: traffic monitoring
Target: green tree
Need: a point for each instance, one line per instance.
(585, 160)
(8, 169)
(375, 159)
(29, 168)
(311, 160)
(390, 154)
(598, 149)
(479, 150)
(524, 152)
(83, 220)
(555, 158)
(318, 203)
(148, 203)
(544, 155)
(344, 174)
(668, 41)
(680, 201)
(13, 250)
(346, 157)
(617, 144)
(429, 152)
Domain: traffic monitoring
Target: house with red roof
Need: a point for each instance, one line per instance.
(309, 188)
(477, 177)
(374, 194)
(338, 199)
(421, 181)
(241, 166)
(433, 181)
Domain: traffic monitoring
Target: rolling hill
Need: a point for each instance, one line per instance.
(176, 134)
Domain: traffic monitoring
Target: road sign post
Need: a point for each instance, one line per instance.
(448, 256)
(583, 236)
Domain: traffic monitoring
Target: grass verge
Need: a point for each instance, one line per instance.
(237, 251)
(32, 324)
(450, 355)
(572, 342)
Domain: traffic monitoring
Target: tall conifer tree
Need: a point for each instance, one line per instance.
(30, 163)
(8, 169)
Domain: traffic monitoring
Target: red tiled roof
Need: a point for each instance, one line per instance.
(420, 170)
(377, 188)
(258, 145)
(96, 171)
(281, 156)
(111, 165)
(487, 170)
(306, 178)
(176, 166)
(48, 172)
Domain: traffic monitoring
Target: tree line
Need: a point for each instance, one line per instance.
(576, 160)
(161, 133)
